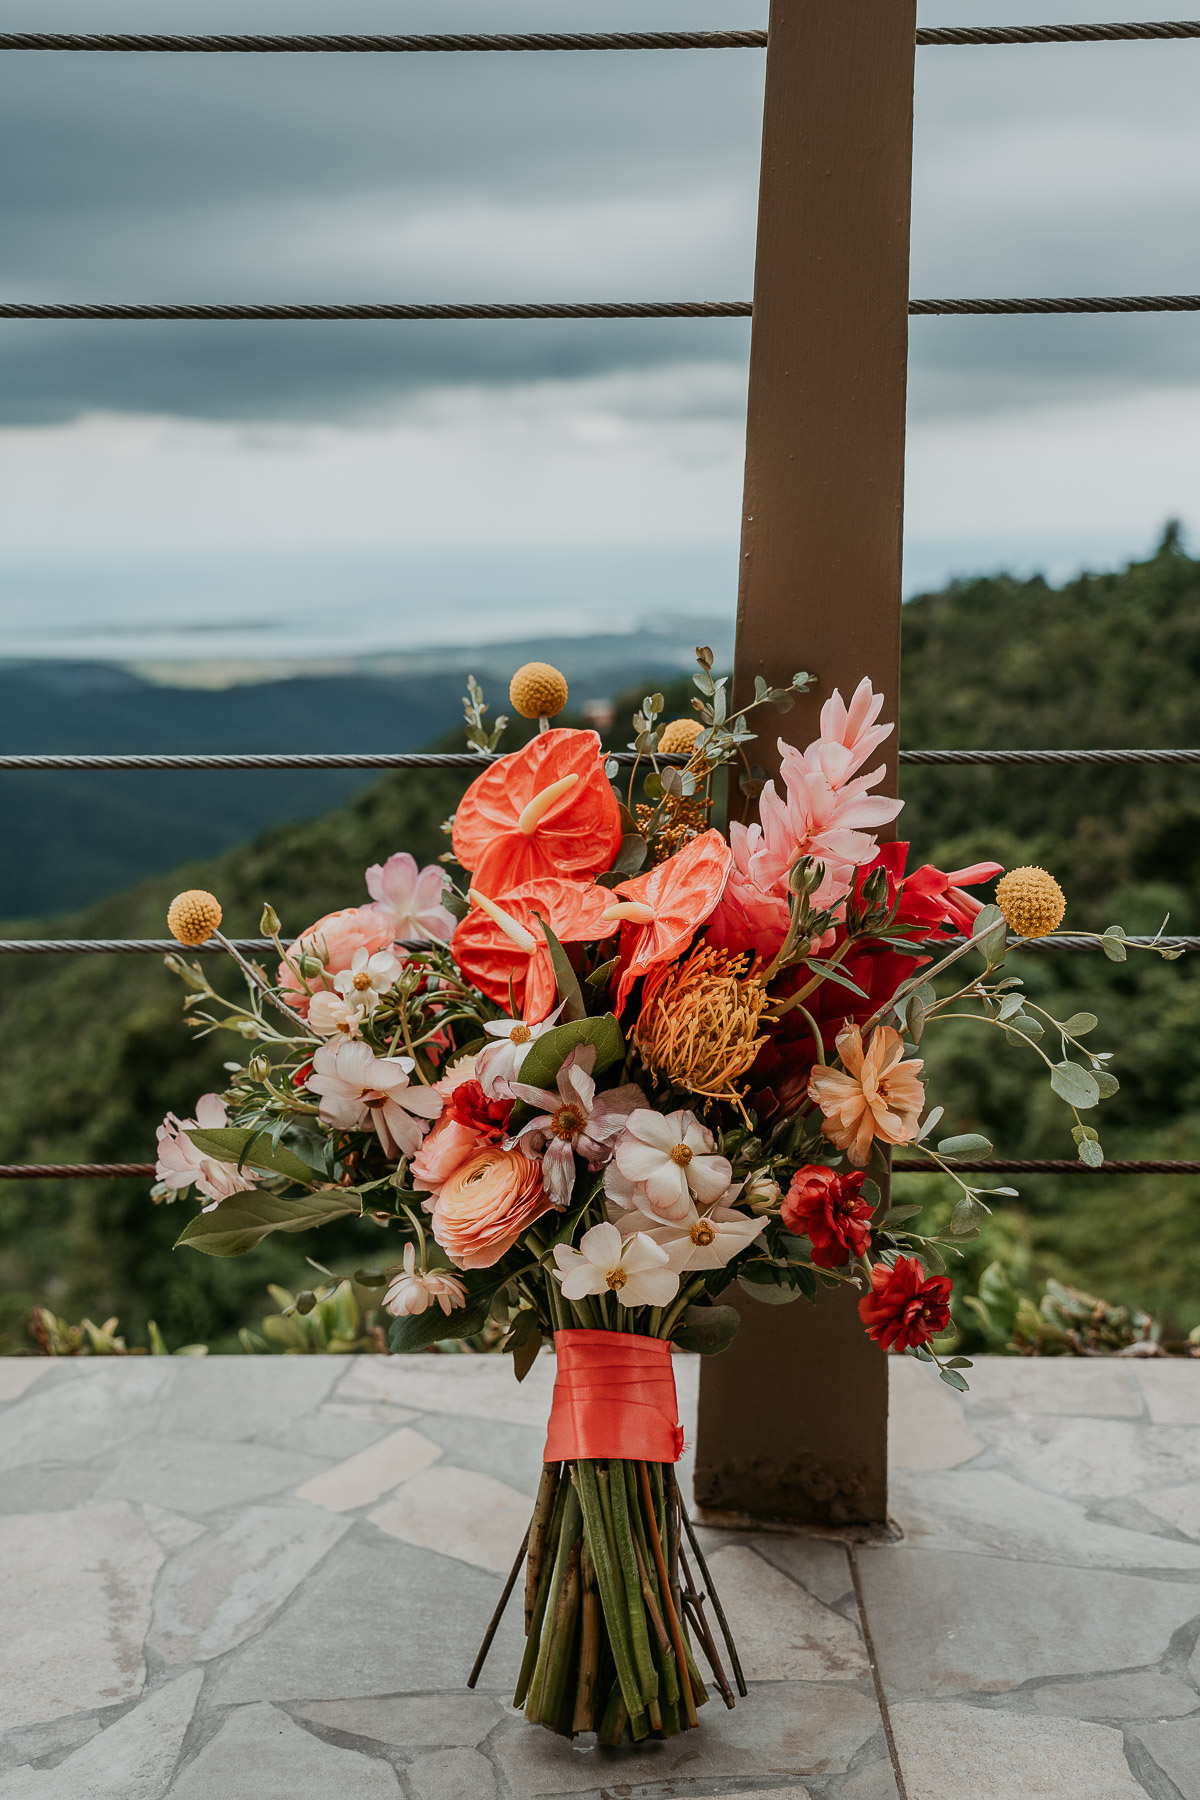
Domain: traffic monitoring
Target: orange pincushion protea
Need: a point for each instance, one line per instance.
(489, 954)
(546, 810)
(664, 909)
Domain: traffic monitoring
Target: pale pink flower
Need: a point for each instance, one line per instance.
(364, 1092)
(333, 940)
(707, 1240)
(181, 1165)
(462, 1069)
(371, 973)
(331, 1016)
(671, 1158)
(414, 1290)
(577, 1121)
(635, 1269)
(498, 1063)
(878, 1096)
(412, 899)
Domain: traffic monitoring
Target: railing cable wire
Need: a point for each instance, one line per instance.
(217, 311)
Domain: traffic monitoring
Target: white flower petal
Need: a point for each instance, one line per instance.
(709, 1177)
(638, 1161)
(667, 1192)
(601, 1246)
(652, 1128)
(641, 1252)
(655, 1287)
(586, 1279)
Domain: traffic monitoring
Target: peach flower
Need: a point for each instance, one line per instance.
(878, 1096)
(486, 1204)
(334, 939)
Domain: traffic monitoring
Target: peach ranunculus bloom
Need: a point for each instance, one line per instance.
(334, 939)
(486, 1204)
(878, 1096)
(447, 1147)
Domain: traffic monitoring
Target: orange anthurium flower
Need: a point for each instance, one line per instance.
(544, 810)
(663, 910)
(499, 940)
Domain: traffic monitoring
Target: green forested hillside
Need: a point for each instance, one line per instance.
(92, 1050)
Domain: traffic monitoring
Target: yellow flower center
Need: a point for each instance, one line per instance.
(681, 1155)
(702, 1233)
(362, 980)
(567, 1122)
(616, 1278)
(520, 1034)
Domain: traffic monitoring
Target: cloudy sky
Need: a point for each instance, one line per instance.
(296, 489)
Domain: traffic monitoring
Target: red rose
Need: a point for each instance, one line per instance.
(905, 1307)
(301, 1075)
(829, 1209)
(469, 1105)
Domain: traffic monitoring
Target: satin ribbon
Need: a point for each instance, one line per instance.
(614, 1395)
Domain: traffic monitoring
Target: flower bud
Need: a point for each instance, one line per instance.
(259, 1068)
(311, 965)
(269, 923)
(761, 1193)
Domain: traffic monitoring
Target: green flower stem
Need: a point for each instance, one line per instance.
(567, 1539)
(638, 1634)
(558, 1690)
(673, 1625)
(649, 1581)
(682, 1300)
(616, 1717)
(609, 1582)
(539, 1529)
(533, 1636)
(584, 1716)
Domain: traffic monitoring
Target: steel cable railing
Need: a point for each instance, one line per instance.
(441, 43)
(264, 946)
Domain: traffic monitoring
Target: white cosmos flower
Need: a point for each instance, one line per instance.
(330, 1015)
(367, 977)
(635, 1269)
(497, 1064)
(577, 1120)
(364, 1092)
(671, 1158)
(708, 1240)
(415, 1290)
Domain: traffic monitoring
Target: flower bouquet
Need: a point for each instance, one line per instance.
(622, 1062)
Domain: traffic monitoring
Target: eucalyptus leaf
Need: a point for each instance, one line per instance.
(1113, 946)
(1079, 1024)
(418, 1331)
(1078, 1087)
(707, 1329)
(915, 1017)
(548, 1053)
(898, 1214)
(966, 1218)
(953, 1379)
(970, 1144)
(242, 1221)
(1091, 1152)
(769, 1285)
(1107, 1082)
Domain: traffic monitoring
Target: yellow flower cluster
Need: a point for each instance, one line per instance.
(538, 690)
(192, 917)
(1032, 902)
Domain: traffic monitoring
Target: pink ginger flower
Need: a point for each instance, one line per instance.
(411, 899)
(181, 1165)
(826, 812)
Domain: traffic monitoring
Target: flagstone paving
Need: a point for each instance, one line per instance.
(268, 1577)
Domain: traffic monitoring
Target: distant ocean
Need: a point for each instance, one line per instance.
(222, 615)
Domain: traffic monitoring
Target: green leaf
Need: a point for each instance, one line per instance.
(419, 1330)
(1106, 1082)
(523, 1343)
(966, 1218)
(1078, 1087)
(707, 1329)
(971, 1144)
(245, 1147)
(565, 979)
(762, 1282)
(549, 1052)
(1112, 944)
(989, 933)
(959, 1362)
(371, 1278)
(830, 973)
(242, 1221)
(953, 1379)
(899, 1213)
(1080, 1023)
(631, 856)
(1091, 1152)
(1024, 1023)
(915, 1017)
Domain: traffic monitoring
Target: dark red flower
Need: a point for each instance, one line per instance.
(830, 1211)
(470, 1106)
(905, 1307)
(301, 1075)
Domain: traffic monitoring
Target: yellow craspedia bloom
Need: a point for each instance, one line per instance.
(538, 690)
(1032, 902)
(194, 916)
(679, 737)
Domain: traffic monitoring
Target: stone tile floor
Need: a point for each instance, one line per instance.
(266, 1578)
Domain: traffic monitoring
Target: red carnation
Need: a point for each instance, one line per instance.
(906, 1307)
(469, 1105)
(829, 1209)
(301, 1075)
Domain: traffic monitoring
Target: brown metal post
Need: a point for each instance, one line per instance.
(793, 1418)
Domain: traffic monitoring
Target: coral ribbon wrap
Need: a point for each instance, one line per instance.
(614, 1395)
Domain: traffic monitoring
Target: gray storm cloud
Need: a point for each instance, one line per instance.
(550, 177)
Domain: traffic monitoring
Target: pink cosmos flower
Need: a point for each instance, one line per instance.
(411, 899)
(827, 813)
(364, 1092)
(576, 1121)
(334, 940)
(181, 1165)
